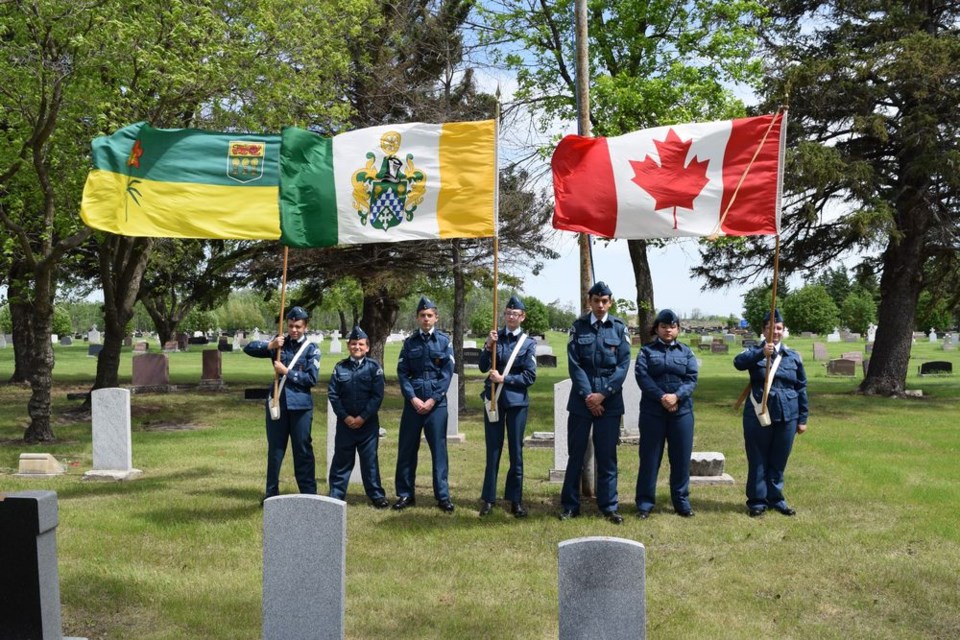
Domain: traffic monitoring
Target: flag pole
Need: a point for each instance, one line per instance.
(496, 242)
(283, 294)
(773, 309)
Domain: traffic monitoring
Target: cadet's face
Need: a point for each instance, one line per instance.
(777, 331)
(358, 348)
(296, 328)
(668, 332)
(427, 319)
(599, 305)
(513, 318)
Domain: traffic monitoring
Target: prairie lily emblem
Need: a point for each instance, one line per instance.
(133, 160)
(245, 161)
(392, 193)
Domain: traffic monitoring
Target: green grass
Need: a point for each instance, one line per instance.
(873, 552)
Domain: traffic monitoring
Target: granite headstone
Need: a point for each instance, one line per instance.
(561, 394)
(331, 444)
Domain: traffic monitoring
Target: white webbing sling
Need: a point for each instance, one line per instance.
(275, 406)
(492, 414)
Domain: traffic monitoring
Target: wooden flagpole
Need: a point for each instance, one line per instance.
(496, 243)
(283, 302)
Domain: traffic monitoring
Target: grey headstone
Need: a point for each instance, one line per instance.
(631, 406)
(544, 350)
(93, 350)
(548, 361)
(856, 356)
(183, 341)
(561, 394)
(151, 370)
(706, 463)
(66, 341)
(721, 347)
(453, 412)
(842, 367)
(933, 336)
(471, 356)
(93, 336)
(335, 346)
(868, 348)
(820, 351)
(469, 344)
(601, 589)
(304, 567)
(730, 337)
(112, 445)
(30, 583)
(746, 343)
(331, 443)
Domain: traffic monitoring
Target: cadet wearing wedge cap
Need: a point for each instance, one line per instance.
(356, 392)
(299, 365)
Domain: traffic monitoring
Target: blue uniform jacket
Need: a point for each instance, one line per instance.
(788, 392)
(300, 379)
(425, 367)
(598, 359)
(522, 374)
(663, 369)
(356, 390)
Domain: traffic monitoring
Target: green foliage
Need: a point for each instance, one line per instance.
(6, 326)
(837, 283)
(244, 310)
(61, 324)
(756, 304)
(537, 320)
(560, 318)
(199, 320)
(481, 320)
(933, 312)
(859, 311)
(810, 309)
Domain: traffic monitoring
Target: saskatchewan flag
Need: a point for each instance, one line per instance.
(183, 183)
(388, 184)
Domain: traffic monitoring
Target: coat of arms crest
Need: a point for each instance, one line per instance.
(392, 193)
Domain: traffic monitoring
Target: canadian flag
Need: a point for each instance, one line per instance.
(701, 179)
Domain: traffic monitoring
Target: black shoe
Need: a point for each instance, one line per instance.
(613, 516)
(787, 511)
(445, 505)
(517, 510)
(569, 514)
(756, 512)
(686, 513)
(380, 503)
(643, 514)
(486, 508)
(403, 502)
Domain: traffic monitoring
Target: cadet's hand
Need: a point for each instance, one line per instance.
(801, 428)
(495, 376)
(670, 401)
(491, 341)
(594, 400)
(280, 368)
(276, 343)
(769, 349)
(417, 404)
(426, 407)
(596, 411)
(354, 422)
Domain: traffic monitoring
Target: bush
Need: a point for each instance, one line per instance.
(481, 320)
(538, 319)
(756, 304)
(859, 311)
(810, 309)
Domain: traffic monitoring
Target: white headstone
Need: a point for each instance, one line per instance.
(335, 346)
(872, 333)
(112, 445)
(933, 335)
(834, 337)
(93, 336)
(561, 394)
(331, 440)
(304, 567)
(54, 338)
(469, 344)
(3, 341)
(453, 412)
(255, 336)
(544, 350)
(631, 405)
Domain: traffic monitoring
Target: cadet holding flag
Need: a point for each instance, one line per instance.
(299, 365)
(356, 392)
(516, 371)
(425, 369)
(598, 358)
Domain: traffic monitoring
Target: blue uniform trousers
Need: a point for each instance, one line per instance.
(348, 444)
(606, 434)
(293, 425)
(434, 428)
(767, 451)
(514, 421)
(676, 432)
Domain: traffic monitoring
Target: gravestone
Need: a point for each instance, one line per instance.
(856, 356)
(183, 341)
(544, 350)
(719, 347)
(748, 343)
(872, 333)
(933, 336)
(93, 336)
(331, 445)
(949, 344)
(820, 351)
(636, 341)
(112, 445)
(707, 340)
(937, 367)
(729, 337)
(39, 465)
(335, 345)
(255, 336)
(128, 341)
(304, 567)
(30, 583)
(852, 337)
(141, 347)
(706, 467)
(171, 346)
(223, 344)
(198, 340)
(561, 394)
(866, 366)
(453, 412)
(630, 431)
(806, 334)
(469, 344)
(66, 341)
(842, 367)
(868, 348)
(212, 375)
(834, 337)
(93, 350)
(601, 589)
(471, 357)
(548, 361)
(54, 338)
(3, 341)
(151, 370)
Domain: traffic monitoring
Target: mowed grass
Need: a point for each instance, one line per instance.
(873, 552)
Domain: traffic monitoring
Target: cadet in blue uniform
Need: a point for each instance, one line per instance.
(598, 357)
(356, 392)
(425, 369)
(298, 367)
(667, 375)
(768, 447)
(512, 405)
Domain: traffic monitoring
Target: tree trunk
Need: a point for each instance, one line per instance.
(900, 288)
(344, 331)
(646, 311)
(21, 318)
(41, 353)
(380, 311)
(123, 262)
(459, 310)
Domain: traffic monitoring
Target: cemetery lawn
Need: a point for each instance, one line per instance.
(873, 552)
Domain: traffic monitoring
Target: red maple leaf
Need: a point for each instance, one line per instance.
(671, 183)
